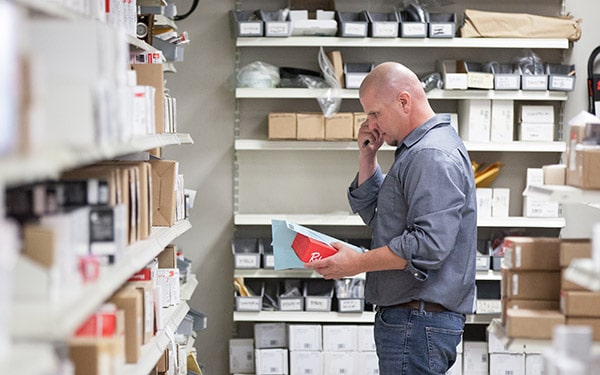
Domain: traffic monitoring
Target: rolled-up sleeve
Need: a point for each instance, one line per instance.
(363, 198)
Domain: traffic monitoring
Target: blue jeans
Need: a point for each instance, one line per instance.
(414, 342)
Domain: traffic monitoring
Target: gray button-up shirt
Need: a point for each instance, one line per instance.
(425, 210)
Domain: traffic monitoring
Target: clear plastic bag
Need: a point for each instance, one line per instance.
(530, 64)
(329, 95)
(258, 74)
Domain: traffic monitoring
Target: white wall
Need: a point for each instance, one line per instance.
(205, 109)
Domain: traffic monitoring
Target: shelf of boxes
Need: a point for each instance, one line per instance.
(61, 318)
(355, 220)
(308, 41)
(153, 350)
(266, 145)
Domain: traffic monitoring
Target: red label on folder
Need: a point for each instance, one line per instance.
(309, 249)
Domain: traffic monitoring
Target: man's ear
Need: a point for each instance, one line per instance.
(403, 99)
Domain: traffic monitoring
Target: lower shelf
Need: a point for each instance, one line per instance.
(331, 317)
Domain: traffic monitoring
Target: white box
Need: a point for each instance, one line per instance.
(450, 76)
(241, 355)
(540, 208)
(340, 338)
(474, 117)
(454, 121)
(484, 202)
(305, 337)
(340, 363)
(302, 363)
(540, 114)
(500, 202)
(475, 358)
(502, 122)
(457, 367)
(536, 132)
(366, 338)
(271, 361)
(534, 176)
(507, 363)
(534, 364)
(368, 363)
(270, 335)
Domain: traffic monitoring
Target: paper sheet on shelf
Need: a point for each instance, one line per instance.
(284, 232)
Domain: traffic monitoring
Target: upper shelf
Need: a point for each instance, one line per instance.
(308, 41)
(48, 163)
(355, 220)
(436, 94)
(57, 321)
(266, 145)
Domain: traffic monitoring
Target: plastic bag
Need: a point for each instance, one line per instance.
(258, 74)
(329, 95)
(530, 64)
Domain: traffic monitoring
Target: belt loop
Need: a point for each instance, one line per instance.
(421, 306)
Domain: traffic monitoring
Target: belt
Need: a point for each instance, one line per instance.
(416, 305)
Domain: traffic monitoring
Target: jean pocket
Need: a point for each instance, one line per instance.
(441, 347)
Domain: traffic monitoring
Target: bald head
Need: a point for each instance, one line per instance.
(391, 78)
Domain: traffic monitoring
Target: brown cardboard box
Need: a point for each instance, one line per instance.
(592, 322)
(531, 253)
(168, 257)
(532, 324)
(338, 65)
(92, 356)
(584, 172)
(555, 174)
(567, 284)
(574, 248)
(311, 126)
(282, 126)
(339, 127)
(101, 172)
(528, 304)
(129, 299)
(38, 244)
(359, 118)
(164, 173)
(582, 304)
(146, 289)
(536, 285)
(152, 75)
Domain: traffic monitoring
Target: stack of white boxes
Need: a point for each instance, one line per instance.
(485, 120)
(537, 207)
(505, 361)
(536, 123)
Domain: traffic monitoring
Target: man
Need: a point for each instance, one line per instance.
(422, 213)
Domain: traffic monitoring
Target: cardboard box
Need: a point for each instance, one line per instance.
(310, 126)
(164, 173)
(576, 134)
(536, 132)
(270, 335)
(532, 324)
(500, 202)
(339, 362)
(574, 248)
(339, 127)
(309, 249)
(532, 253)
(241, 356)
(340, 338)
(92, 356)
(536, 285)
(130, 301)
(305, 337)
(536, 114)
(452, 78)
(146, 290)
(168, 257)
(152, 75)
(474, 117)
(271, 361)
(541, 208)
(594, 323)
(484, 202)
(581, 304)
(359, 119)
(475, 357)
(566, 284)
(502, 121)
(555, 174)
(507, 363)
(282, 126)
(583, 173)
(335, 57)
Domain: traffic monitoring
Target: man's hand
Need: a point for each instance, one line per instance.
(345, 263)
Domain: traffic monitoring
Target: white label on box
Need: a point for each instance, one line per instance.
(515, 285)
(246, 261)
(506, 82)
(535, 208)
(290, 304)
(541, 114)
(537, 132)
(535, 82)
(249, 28)
(385, 29)
(278, 28)
(441, 29)
(456, 81)
(352, 28)
(352, 304)
(562, 83)
(317, 303)
(249, 304)
(413, 29)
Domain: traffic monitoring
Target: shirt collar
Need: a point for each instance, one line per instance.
(418, 133)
